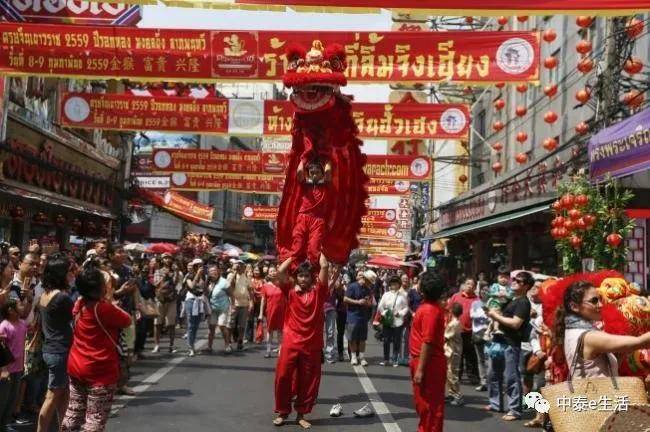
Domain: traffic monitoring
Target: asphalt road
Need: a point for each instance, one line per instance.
(235, 393)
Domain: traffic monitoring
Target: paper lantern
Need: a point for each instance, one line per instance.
(634, 28)
(497, 146)
(462, 178)
(502, 21)
(550, 144)
(550, 62)
(634, 98)
(499, 104)
(583, 96)
(574, 213)
(583, 46)
(550, 90)
(614, 240)
(522, 137)
(521, 158)
(581, 200)
(584, 21)
(576, 241)
(521, 88)
(497, 167)
(498, 125)
(521, 111)
(633, 65)
(467, 90)
(582, 128)
(585, 65)
(469, 20)
(17, 212)
(549, 35)
(500, 85)
(522, 18)
(550, 117)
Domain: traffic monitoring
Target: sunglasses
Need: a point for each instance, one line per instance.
(595, 301)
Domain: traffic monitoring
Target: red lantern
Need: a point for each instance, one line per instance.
(550, 144)
(589, 219)
(575, 241)
(567, 201)
(522, 19)
(521, 111)
(497, 167)
(569, 225)
(549, 35)
(583, 96)
(550, 62)
(586, 65)
(521, 88)
(497, 146)
(575, 214)
(584, 21)
(498, 125)
(633, 65)
(557, 205)
(614, 240)
(500, 85)
(634, 98)
(582, 128)
(550, 90)
(521, 158)
(469, 20)
(583, 46)
(562, 232)
(462, 178)
(550, 117)
(502, 21)
(634, 28)
(559, 221)
(499, 104)
(554, 233)
(582, 200)
(581, 224)
(522, 137)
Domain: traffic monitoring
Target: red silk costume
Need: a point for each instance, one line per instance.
(310, 223)
(298, 370)
(323, 129)
(428, 327)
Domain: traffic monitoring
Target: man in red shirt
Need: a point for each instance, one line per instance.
(428, 363)
(302, 341)
(465, 297)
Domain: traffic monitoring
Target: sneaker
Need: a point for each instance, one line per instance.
(457, 402)
(363, 362)
(354, 361)
(8, 428)
(22, 420)
(240, 347)
(331, 361)
(267, 355)
(364, 411)
(336, 411)
(172, 350)
(228, 349)
(184, 336)
(383, 363)
(191, 353)
(395, 364)
(155, 349)
(449, 398)
(481, 388)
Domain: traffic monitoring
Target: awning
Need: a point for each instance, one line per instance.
(484, 223)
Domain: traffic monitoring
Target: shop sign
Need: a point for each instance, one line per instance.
(153, 182)
(622, 149)
(261, 213)
(210, 56)
(70, 12)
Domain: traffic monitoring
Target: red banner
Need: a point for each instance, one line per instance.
(371, 232)
(388, 187)
(180, 206)
(249, 163)
(462, 7)
(263, 213)
(209, 56)
(212, 116)
(380, 216)
(3, 107)
(217, 182)
(70, 11)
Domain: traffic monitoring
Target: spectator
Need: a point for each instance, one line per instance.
(330, 321)
(341, 316)
(393, 307)
(465, 298)
(453, 351)
(515, 324)
(273, 307)
(414, 298)
(219, 291)
(93, 363)
(13, 330)
(358, 298)
(165, 280)
(243, 296)
(480, 323)
(14, 257)
(257, 280)
(55, 308)
(196, 307)
(147, 293)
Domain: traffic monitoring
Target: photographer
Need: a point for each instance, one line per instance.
(164, 281)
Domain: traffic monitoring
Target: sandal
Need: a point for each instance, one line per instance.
(509, 417)
(534, 424)
(489, 408)
(279, 420)
(304, 423)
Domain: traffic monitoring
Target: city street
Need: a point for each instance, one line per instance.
(231, 393)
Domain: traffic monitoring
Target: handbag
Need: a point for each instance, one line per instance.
(6, 356)
(561, 396)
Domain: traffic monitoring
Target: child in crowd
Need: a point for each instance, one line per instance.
(499, 294)
(13, 331)
(453, 352)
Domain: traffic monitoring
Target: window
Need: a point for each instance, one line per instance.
(554, 74)
(480, 124)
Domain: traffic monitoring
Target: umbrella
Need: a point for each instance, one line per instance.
(228, 247)
(134, 247)
(386, 261)
(161, 248)
(249, 256)
(232, 253)
(269, 258)
(217, 250)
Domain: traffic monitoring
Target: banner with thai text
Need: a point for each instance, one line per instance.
(621, 149)
(263, 213)
(70, 12)
(245, 164)
(213, 116)
(218, 182)
(177, 204)
(435, 7)
(218, 55)
(3, 107)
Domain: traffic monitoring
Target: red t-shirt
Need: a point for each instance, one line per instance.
(93, 356)
(304, 317)
(428, 327)
(466, 302)
(313, 199)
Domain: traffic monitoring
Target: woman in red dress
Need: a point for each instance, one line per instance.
(272, 308)
(255, 326)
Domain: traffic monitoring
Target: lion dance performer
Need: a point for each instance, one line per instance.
(319, 219)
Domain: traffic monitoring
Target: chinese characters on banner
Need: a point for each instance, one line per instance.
(70, 12)
(208, 56)
(211, 116)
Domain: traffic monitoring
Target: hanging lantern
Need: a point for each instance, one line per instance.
(576, 241)
(583, 47)
(550, 62)
(634, 28)
(585, 65)
(500, 85)
(582, 128)
(497, 167)
(467, 90)
(550, 90)
(633, 65)
(521, 158)
(462, 178)
(567, 201)
(583, 96)
(521, 88)
(549, 35)
(499, 104)
(40, 218)
(522, 137)
(550, 144)
(521, 111)
(502, 21)
(614, 240)
(589, 219)
(634, 98)
(469, 20)
(584, 21)
(557, 206)
(581, 200)
(498, 125)
(581, 224)
(497, 146)
(574, 213)
(522, 19)
(550, 117)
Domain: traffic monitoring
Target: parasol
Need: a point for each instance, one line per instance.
(160, 248)
(249, 256)
(385, 261)
(232, 253)
(134, 247)
(269, 258)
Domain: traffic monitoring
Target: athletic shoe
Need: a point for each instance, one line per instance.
(364, 411)
(331, 361)
(481, 388)
(228, 349)
(267, 355)
(191, 353)
(184, 336)
(22, 420)
(336, 411)
(383, 363)
(363, 362)
(155, 349)
(395, 364)
(172, 350)
(457, 402)
(354, 361)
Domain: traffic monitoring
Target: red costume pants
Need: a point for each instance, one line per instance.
(430, 395)
(307, 238)
(297, 374)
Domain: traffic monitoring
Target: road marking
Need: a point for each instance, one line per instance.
(381, 409)
(153, 379)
